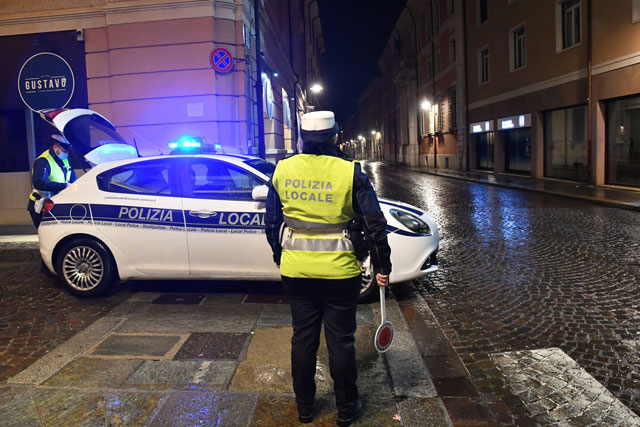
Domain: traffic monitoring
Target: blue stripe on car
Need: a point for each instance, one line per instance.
(391, 230)
(122, 215)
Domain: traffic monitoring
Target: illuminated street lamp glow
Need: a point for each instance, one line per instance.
(360, 137)
(373, 132)
(316, 88)
(425, 105)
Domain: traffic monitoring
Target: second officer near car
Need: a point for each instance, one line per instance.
(317, 194)
(51, 174)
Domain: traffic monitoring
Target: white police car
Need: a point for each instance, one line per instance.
(185, 217)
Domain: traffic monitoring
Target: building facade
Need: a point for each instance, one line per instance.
(417, 99)
(552, 88)
(552, 92)
(148, 66)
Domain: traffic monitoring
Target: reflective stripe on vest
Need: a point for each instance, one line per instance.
(297, 224)
(56, 174)
(316, 193)
(318, 242)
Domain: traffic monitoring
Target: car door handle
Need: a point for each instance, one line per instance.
(202, 213)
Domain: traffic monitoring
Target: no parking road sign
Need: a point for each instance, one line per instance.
(221, 60)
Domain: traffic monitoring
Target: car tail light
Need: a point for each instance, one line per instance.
(51, 114)
(48, 204)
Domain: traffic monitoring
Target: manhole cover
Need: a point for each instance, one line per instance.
(182, 299)
(143, 346)
(266, 299)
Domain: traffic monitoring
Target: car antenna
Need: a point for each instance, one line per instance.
(136, 145)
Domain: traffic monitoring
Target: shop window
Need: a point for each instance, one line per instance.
(518, 150)
(483, 65)
(286, 120)
(517, 48)
(623, 142)
(565, 143)
(484, 150)
(568, 24)
(13, 141)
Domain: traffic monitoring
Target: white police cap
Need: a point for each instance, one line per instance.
(59, 139)
(318, 121)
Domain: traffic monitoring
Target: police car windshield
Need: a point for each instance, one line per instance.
(262, 166)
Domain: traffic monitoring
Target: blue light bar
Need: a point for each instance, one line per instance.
(186, 142)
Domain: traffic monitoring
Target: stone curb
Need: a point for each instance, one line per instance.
(594, 200)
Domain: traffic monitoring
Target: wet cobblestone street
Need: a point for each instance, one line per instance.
(524, 271)
(36, 314)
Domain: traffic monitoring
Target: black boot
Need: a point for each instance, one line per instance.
(306, 413)
(346, 418)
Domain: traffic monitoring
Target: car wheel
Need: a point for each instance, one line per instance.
(85, 268)
(369, 291)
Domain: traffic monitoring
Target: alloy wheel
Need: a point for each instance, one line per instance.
(83, 268)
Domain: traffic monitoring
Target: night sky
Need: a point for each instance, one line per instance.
(355, 34)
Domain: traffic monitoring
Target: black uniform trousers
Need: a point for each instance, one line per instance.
(334, 302)
(35, 217)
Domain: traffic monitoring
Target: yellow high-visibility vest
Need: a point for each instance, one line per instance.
(316, 194)
(56, 174)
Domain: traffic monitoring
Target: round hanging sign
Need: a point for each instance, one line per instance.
(46, 82)
(221, 60)
(384, 334)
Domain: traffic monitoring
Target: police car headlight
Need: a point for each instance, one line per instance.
(410, 221)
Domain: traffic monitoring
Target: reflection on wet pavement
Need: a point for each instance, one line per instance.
(521, 270)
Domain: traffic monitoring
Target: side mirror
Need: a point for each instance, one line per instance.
(260, 193)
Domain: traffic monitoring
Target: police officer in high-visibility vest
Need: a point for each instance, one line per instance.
(51, 173)
(317, 194)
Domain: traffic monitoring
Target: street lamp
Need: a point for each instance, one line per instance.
(316, 88)
(425, 105)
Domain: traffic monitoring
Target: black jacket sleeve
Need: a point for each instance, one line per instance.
(273, 219)
(366, 206)
(40, 178)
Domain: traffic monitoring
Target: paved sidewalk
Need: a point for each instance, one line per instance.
(608, 196)
(214, 359)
